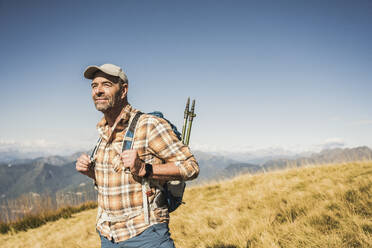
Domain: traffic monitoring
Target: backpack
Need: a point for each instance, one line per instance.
(172, 190)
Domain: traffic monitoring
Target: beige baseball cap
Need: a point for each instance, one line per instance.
(109, 69)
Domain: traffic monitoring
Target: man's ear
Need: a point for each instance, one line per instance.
(124, 91)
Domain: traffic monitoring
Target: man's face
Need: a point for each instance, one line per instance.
(107, 94)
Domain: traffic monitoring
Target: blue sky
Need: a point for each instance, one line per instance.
(286, 74)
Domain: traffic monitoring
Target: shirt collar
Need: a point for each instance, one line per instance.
(102, 125)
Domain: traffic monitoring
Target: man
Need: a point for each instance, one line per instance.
(156, 154)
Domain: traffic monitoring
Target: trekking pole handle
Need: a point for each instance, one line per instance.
(186, 113)
(185, 117)
(191, 117)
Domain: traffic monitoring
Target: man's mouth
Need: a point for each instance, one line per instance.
(100, 99)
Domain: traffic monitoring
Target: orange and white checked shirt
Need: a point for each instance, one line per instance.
(119, 193)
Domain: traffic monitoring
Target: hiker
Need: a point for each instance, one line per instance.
(129, 214)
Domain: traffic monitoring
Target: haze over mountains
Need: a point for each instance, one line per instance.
(56, 174)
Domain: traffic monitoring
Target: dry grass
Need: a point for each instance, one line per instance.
(35, 220)
(34, 204)
(320, 206)
(77, 231)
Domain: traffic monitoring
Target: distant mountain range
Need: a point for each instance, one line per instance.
(39, 176)
(336, 155)
(56, 174)
(10, 155)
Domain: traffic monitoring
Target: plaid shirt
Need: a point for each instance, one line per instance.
(119, 193)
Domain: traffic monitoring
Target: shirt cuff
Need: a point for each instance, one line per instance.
(189, 169)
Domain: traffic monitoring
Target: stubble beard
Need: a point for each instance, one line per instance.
(104, 107)
(109, 105)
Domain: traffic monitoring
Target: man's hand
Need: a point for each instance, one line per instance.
(131, 160)
(83, 165)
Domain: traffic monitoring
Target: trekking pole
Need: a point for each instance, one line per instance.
(186, 114)
(191, 117)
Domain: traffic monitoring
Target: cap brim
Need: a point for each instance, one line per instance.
(90, 71)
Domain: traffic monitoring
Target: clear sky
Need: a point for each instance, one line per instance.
(286, 74)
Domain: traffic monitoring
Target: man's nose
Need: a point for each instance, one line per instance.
(98, 90)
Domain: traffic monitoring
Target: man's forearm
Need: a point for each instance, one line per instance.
(168, 171)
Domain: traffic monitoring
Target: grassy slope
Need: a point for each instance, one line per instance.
(320, 206)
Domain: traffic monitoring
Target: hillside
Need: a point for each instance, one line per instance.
(317, 206)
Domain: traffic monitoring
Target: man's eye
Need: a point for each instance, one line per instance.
(107, 84)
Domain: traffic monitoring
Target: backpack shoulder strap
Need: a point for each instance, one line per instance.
(128, 139)
(127, 144)
(129, 135)
(94, 152)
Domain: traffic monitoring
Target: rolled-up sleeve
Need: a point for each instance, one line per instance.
(163, 142)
